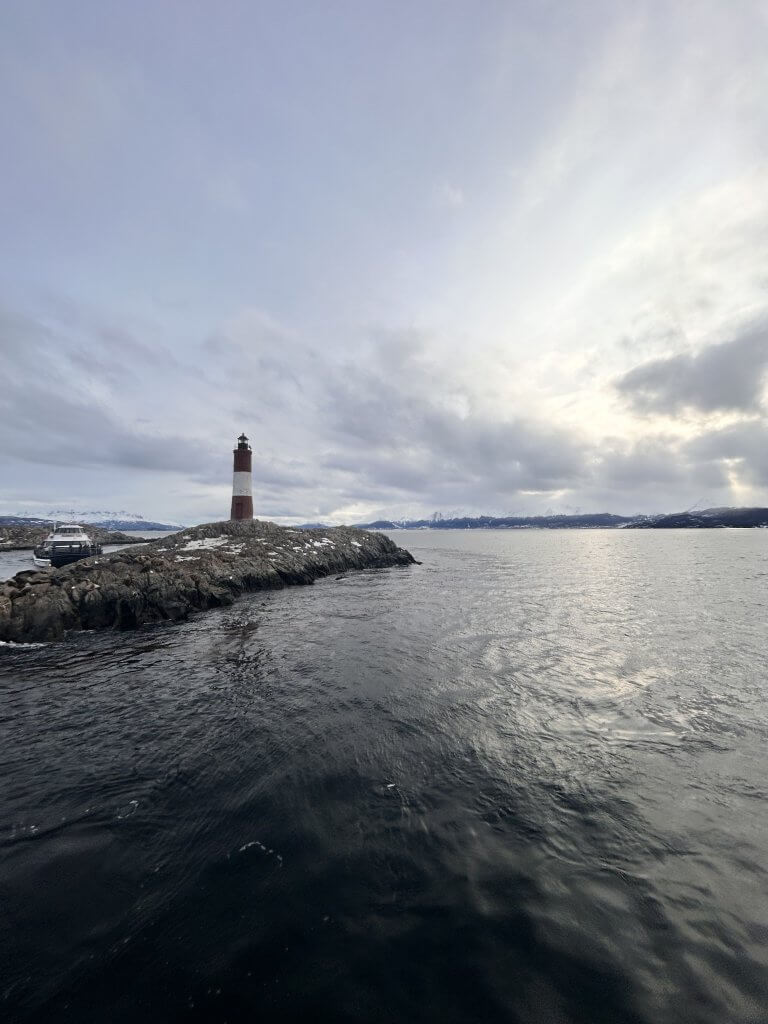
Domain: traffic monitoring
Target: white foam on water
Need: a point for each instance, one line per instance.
(255, 842)
(127, 810)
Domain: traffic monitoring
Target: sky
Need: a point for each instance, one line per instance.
(499, 257)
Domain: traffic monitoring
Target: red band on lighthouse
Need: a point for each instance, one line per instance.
(242, 499)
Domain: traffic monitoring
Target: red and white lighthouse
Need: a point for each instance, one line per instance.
(242, 497)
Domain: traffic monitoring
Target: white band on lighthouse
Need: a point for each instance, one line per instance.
(241, 485)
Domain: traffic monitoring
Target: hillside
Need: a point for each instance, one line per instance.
(744, 518)
(740, 518)
(583, 522)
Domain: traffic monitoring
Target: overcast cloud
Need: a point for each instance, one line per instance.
(729, 376)
(437, 256)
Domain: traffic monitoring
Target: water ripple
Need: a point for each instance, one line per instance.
(523, 781)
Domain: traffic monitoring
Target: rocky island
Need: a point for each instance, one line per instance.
(202, 567)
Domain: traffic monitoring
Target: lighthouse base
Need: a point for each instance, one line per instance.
(242, 507)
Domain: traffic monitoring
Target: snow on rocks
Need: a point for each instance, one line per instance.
(205, 543)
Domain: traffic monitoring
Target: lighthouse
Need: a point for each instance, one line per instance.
(242, 500)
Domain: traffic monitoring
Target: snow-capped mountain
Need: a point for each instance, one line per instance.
(105, 518)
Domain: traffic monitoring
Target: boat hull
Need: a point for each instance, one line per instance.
(57, 555)
(58, 559)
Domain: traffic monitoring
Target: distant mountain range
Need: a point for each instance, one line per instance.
(700, 519)
(123, 521)
(693, 519)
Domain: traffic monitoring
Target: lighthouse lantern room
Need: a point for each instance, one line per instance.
(242, 497)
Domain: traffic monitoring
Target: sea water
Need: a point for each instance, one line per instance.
(522, 781)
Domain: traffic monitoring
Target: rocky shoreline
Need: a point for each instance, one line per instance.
(25, 538)
(202, 567)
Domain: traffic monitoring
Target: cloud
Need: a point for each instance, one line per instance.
(268, 245)
(40, 426)
(741, 446)
(66, 380)
(396, 427)
(415, 423)
(449, 196)
(721, 378)
(230, 190)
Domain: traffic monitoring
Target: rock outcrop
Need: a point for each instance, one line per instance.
(202, 567)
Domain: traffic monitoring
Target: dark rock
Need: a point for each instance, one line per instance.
(205, 566)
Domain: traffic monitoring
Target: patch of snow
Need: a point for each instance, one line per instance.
(355, 544)
(205, 543)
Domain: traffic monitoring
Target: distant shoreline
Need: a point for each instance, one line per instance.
(520, 529)
(707, 519)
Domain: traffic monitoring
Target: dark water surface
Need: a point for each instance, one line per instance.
(524, 781)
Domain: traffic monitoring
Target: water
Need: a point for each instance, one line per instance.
(524, 781)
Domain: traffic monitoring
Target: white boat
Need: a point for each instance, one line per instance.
(64, 544)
